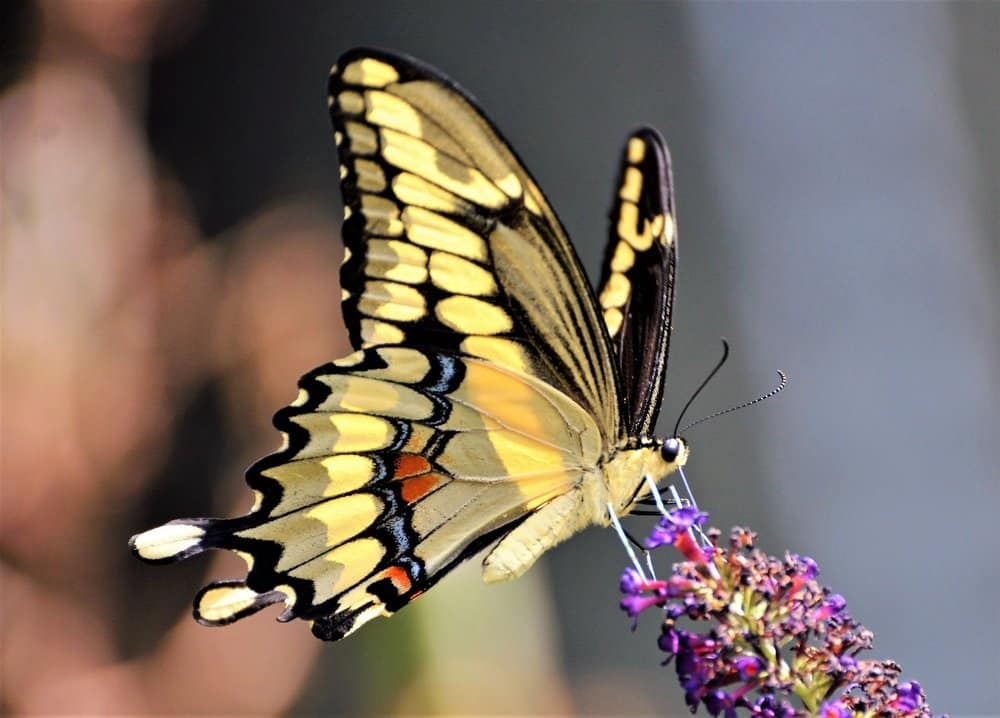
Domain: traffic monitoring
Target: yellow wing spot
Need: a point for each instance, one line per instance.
(370, 175)
(336, 571)
(343, 433)
(346, 472)
(613, 320)
(343, 171)
(363, 395)
(405, 365)
(631, 188)
(623, 258)
(374, 332)
(472, 316)
(381, 215)
(636, 150)
(350, 360)
(363, 138)
(329, 100)
(414, 155)
(351, 102)
(502, 351)
(510, 185)
(338, 137)
(359, 432)
(390, 111)
(301, 398)
(399, 261)
(656, 226)
(616, 291)
(417, 191)
(347, 255)
(627, 220)
(346, 517)
(347, 211)
(303, 482)
(344, 295)
(366, 395)
(432, 230)
(395, 302)
(532, 205)
(370, 72)
(304, 535)
(460, 276)
(222, 603)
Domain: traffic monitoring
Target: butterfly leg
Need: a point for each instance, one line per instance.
(642, 547)
(627, 541)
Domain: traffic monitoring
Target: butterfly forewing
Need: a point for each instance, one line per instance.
(449, 241)
(637, 282)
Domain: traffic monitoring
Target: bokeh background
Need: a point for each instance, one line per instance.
(170, 267)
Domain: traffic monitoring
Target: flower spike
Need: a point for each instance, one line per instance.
(773, 632)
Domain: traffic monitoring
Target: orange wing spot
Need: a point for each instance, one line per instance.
(400, 579)
(411, 465)
(419, 486)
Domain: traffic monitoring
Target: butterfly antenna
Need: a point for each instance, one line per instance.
(725, 356)
(783, 383)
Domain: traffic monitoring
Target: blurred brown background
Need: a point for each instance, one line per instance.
(170, 251)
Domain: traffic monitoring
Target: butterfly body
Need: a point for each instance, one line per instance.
(493, 400)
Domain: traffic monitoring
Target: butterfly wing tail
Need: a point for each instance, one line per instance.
(176, 540)
(223, 602)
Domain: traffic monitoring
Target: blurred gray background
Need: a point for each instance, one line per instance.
(838, 174)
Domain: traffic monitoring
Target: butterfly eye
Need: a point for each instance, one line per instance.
(670, 449)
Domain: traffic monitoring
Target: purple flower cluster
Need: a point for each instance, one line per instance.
(775, 634)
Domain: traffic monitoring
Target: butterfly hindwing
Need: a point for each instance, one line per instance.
(398, 464)
(637, 282)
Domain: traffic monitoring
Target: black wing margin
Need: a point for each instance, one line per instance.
(637, 279)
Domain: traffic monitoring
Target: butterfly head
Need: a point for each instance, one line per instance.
(630, 470)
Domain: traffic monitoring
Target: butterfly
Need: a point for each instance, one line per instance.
(493, 398)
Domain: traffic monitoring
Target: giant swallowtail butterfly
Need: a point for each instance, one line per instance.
(493, 398)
